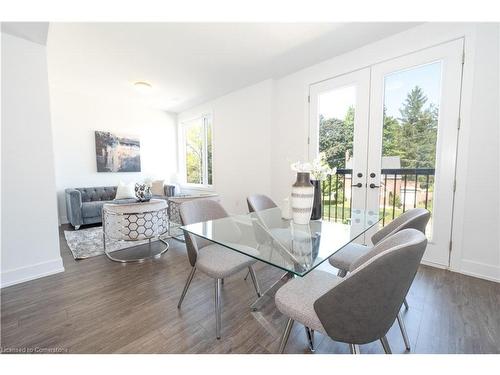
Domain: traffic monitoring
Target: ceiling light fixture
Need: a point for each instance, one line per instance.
(142, 86)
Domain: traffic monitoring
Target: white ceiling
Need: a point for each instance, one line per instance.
(191, 63)
(33, 31)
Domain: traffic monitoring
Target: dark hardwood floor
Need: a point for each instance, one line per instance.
(98, 306)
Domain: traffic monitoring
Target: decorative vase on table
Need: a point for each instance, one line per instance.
(143, 192)
(302, 199)
(317, 208)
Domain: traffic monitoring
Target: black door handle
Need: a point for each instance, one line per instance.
(359, 184)
(373, 186)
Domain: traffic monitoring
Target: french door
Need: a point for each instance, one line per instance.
(391, 131)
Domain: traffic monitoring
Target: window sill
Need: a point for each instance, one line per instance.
(204, 188)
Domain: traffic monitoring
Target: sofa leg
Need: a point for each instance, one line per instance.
(77, 227)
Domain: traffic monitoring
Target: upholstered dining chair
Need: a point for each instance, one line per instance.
(353, 255)
(361, 307)
(259, 202)
(215, 261)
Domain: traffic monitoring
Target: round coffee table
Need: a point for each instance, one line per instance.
(142, 221)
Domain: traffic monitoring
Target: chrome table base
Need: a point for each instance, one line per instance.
(270, 292)
(153, 254)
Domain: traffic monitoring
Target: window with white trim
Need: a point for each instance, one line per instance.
(196, 149)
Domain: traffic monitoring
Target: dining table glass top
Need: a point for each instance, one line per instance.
(267, 237)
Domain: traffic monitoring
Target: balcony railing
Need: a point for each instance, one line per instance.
(400, 189)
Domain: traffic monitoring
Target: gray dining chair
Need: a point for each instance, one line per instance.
(354, 255)
(215, 261)
(351, 256)
(259, 202)
(361, 307)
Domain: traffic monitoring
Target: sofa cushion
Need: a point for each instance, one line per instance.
(93, 209)
(100, 193)
(157, 187)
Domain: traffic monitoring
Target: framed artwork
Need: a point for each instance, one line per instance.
(117, 152)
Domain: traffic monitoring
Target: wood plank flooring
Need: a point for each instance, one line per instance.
(99, 306)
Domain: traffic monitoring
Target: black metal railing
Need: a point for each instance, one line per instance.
(400, 189)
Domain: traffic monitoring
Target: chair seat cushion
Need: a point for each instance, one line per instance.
(345, 257)
(218, 261)
(296, 298)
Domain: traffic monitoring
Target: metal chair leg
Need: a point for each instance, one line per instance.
(246, 277)
(286, 335)
(403, 331)
(254, 280)
(385, 345)
(341, 273)
(310, 338)
(218, 310)
(354, 349)
(186, 287)
(406, 304)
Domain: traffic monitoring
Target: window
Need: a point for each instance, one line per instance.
(197, 150)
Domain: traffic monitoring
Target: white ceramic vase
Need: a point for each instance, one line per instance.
(302, 199)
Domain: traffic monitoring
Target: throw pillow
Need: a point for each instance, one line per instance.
(125, 190)
(157, 187)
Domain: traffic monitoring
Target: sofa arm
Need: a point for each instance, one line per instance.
(169, 190)
(74, 206)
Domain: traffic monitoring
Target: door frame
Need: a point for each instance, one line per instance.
(467, 35)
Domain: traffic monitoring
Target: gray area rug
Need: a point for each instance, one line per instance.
(87, 243)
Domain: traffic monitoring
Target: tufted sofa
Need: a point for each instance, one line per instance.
(84, 205)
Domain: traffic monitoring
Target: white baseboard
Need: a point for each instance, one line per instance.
(63, 220)
(432, 264)
(481, 270)
(34, 271)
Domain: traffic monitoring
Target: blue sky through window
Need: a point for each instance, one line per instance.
(335, 103)
(399, 84)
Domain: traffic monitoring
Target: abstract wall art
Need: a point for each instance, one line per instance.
(117, 153)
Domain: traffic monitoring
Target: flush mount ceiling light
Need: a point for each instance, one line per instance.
(142, 86)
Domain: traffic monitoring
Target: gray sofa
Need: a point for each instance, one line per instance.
(84, 205)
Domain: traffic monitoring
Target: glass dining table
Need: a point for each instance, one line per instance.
(295, 249)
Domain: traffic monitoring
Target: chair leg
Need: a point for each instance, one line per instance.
(218, 310)
(186, 287)
(286, 335)
(246, 277)
(406, 304)
(403, 331)
(254, 280)
(310, 338)
(385, 345)
(341, 273)
(354, 349)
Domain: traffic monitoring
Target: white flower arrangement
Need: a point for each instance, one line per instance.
(318, 168)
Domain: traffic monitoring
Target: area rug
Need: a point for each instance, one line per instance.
(87, 243)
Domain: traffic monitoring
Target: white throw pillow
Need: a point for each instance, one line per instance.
(125, 190)
(157, 187)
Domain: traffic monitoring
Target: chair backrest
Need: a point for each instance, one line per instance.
(415, 218)
(259, 202)
(196, 211)
(363, 306)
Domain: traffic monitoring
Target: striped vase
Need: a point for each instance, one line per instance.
(302, 199)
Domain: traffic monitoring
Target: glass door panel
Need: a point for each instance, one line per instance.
(338, 134)
(414, 113)
(409, 138)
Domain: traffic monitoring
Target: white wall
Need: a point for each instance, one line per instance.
(75, 117)
(241, 143)
(478, 252)
(30, 240)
